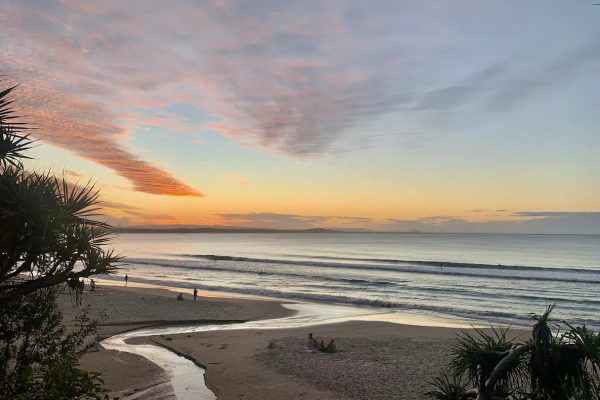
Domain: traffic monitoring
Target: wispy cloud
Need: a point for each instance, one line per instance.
(557, 214)
(291, 77)
(291, 221)
(71, 98)
(118, 206)
(511, 222)
(236, 179)
(71, 174)
(582, 222)
(85, 128)
(121, 214)
(501, 87)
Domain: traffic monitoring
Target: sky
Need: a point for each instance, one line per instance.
(433, 116)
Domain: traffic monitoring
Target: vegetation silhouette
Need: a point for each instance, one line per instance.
(47, 238)
(47, 232)
(559, 362)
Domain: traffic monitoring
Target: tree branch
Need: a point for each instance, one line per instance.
(502, 368)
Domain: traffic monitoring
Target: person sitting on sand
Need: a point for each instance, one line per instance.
(92, 285)
(322, 346)
(331, 348)
(180, 297)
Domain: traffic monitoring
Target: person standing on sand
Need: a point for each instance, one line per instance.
(126, 279)
(195, 293)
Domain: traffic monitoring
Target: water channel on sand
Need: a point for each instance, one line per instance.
(187, 378)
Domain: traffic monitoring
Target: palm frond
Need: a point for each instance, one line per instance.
(447, 387)
(13, 142)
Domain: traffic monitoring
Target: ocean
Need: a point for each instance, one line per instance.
(484, 278)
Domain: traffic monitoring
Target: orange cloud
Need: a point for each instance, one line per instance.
(87, 129)
(68, 99)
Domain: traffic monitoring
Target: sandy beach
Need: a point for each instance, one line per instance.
(376, 360)
(136, 307)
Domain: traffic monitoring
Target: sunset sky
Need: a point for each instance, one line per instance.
(437, 116)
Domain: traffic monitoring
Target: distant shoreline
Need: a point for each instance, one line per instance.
(144, 230)
(230, 230)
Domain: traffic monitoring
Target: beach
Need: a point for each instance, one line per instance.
(133, 308)
(376, 360)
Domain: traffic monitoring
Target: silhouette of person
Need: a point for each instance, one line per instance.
(195, 293)
(312, 342)
(126, 279)
(180, 297)
(331, 347)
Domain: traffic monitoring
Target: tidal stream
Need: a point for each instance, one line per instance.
(186, 378)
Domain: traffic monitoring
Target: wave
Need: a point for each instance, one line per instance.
(467, 292)
(426, 263)
(535, 273)
(177, 264)
(490, 316)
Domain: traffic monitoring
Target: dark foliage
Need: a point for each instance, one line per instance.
(38, 358)
(46, 233)
(46, 239)
(559, 362)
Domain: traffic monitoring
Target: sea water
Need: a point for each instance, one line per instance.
(489, 278)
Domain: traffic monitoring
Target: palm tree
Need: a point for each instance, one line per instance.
(47, 234)
(559, 362)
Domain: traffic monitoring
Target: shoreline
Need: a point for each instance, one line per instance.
(235, 355)
(368, 313)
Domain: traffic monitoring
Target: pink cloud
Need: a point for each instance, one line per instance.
(62, 95)
(293, 77)
(282, 76)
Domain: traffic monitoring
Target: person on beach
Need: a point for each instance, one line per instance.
(180, 297)
(331, 348)
(322, 346)
(126, 279)
(92, 285)
(312, 342)
(195, 293)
